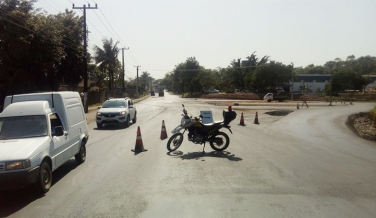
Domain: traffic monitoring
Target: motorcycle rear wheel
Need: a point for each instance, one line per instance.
(219, 141)
(175, 141)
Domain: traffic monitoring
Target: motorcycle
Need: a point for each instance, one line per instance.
(200, 133)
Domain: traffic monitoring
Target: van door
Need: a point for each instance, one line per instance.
(59, 151)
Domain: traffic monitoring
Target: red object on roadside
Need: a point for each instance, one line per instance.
(139, 147)
(163, 131)
(256, 119)
(242, 120)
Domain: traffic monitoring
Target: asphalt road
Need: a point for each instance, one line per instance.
(305, 164)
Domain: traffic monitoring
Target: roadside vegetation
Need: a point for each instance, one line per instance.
(373, 115)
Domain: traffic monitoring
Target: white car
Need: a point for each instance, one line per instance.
(118, 111)
(212, 91)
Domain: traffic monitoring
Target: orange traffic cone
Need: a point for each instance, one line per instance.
(256, 119)
(163, 131)
(242, 120)
(297, 105)
(139, 147)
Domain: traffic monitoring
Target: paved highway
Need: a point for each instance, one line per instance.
(305, 164)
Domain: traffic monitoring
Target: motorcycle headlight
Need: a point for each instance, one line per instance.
(17, 165)
(185, 121)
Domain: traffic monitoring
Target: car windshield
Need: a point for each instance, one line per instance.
(114, 104)
(23, 127)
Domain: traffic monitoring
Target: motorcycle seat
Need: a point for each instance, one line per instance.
(213, 123)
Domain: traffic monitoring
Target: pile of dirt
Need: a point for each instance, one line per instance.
(362, 125)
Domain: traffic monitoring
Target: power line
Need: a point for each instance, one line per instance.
(48, 5)
(125, 44)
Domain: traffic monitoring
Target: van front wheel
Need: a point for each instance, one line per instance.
(81, 155)
(45, 178)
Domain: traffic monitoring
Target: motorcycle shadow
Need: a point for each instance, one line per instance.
(200, 154)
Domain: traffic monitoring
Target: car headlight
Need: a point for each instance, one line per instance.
(17, 165)
(99, 113)
(122, 113)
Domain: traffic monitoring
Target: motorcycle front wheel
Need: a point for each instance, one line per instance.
(175, 141)
(219, 141)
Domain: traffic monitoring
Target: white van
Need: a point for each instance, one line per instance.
(38, 133)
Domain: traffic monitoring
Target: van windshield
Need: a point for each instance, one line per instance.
(23, 127)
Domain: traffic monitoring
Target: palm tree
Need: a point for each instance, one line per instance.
(107, 58)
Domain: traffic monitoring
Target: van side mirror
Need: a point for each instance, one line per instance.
(58, 131)
(99, 107)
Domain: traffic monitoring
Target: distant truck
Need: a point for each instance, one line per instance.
(39, 132)
(275, 97)
(161, 91)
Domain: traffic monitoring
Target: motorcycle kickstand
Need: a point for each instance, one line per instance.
(203, 149)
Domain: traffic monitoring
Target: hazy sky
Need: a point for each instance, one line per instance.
(163, 33)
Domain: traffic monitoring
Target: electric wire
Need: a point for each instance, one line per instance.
(46, 4)
(125, 44)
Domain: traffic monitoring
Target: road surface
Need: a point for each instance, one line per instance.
(305, 164)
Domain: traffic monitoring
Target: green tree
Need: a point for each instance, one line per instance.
(107, 59)
(31, 49)
(271, 75)
(251, 64)
(347, 79)
(146, 80)
(70, 69)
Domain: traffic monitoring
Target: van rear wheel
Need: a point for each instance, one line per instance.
(44, 178)
(81, 155)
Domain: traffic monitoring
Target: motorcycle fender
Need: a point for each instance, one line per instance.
(177, 129)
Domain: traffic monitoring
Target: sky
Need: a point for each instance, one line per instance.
(161, 34)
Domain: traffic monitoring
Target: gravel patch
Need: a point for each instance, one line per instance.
(362, 125)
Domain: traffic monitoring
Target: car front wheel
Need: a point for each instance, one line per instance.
(45, 178)
(126, 123)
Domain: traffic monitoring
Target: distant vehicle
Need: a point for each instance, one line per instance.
(152, 93)
(278, 91)
(275, 97)
(118, 111)
(161, 93)
(212, 91)
(39, 132)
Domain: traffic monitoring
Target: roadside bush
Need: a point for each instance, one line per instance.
(373, 115)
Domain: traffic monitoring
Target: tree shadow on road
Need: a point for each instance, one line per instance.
(200, 155)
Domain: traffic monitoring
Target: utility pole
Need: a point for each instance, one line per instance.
(137, 81)
(331, 84)
(85, 53)
(292, 82)
(122, 50)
